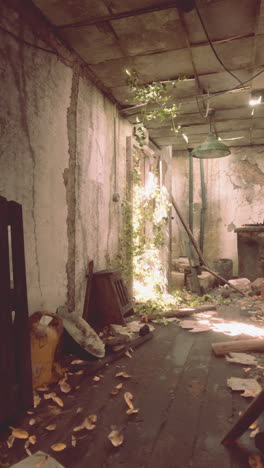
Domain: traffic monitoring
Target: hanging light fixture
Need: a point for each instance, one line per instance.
(211, 147)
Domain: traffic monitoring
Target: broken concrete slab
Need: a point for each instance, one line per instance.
(38, 459)
(256, 286)
(242, 358)
(122, 332)
(243, 284)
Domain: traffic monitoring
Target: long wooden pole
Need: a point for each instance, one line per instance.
(198, 250)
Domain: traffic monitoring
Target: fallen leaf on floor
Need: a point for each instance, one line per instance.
(253, 433)
(58, 447)
(128, 397)
(77, 361)
(128, 354)
(37, 400)
(80, 372)
(118, 348)
(27, 443)
(247, 369)
(119, 386)
(125, 375)
(32, 421)
(48, 396)
(116, 438)
(30, 412)
(19, 433)
(10, 441)
(96, 378)
(79, 410)
(43, 388)
(115, 391)
(51, 427)
(64, 386)
(73, 441)
(260, 367)
(58, 400)
(255, 461)
(242, 358)
(132, 411)
(32, 439)
(253, 425)
(88, 423)
(250, 386)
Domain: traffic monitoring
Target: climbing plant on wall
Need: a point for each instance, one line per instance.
(144, 218)
(156, 102)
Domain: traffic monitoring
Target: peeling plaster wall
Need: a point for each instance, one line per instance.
(235, 196)
(58, 159)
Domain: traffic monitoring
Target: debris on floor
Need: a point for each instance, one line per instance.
(242, 358)
(250, 387)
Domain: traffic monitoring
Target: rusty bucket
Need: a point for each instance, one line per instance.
(44, 339)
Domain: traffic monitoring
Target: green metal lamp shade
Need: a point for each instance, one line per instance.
(210, 148)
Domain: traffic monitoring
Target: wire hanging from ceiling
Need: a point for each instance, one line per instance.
(211, 44)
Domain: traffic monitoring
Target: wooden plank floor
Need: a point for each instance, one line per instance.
(185, 408)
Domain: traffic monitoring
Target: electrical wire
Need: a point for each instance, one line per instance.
(23, 41)
(212, 46)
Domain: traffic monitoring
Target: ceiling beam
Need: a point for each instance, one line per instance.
(116, 16)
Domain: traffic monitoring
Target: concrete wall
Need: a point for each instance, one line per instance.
(59, 159)
(235, 196)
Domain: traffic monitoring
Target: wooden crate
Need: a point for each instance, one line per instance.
(110, 302)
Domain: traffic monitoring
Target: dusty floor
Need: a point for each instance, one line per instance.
(185, 406)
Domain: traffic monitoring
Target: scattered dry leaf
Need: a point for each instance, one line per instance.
(242, 358)
(253, 425)
(116, 438)
(79, 410)
(64, 386)
(10, 441)
(118, 348)
(37, 400)
(48, 396)
(32, 439)
(88, 423)
(96, 378)
(43, 388)
(255, 461)
(19, 433)
(250, 386)
(132, 411)
(128, 397)
(81, 371)
(253, 433)
(128, 354)
(30, 412)
(73, 441)
(247, 369)
(26, 448)
(77, 361)
(125, 375)
(120, 385)
(51, 427)
(115, 391)
(58, 400)
(32, 421)
(58, 447)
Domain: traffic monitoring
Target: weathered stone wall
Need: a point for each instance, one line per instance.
(59, 159)
(235, 196)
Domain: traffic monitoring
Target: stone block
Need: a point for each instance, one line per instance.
(177, 280)
(206, 280)
(38, 459)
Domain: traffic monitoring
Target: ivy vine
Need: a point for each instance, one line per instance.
(156, 100)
